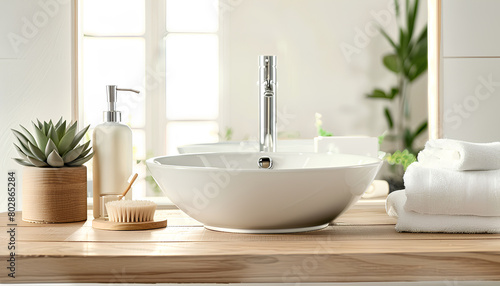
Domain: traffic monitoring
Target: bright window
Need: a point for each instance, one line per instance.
(198, 16)
(192, 76)
(167, 49)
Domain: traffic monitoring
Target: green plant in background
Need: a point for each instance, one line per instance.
(227, 136)
(404, 158)
(399, 158)
(54, 146)
(319, 126)
(381, 138)
(408, 61)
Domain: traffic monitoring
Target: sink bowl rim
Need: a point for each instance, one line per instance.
(248, 145)
(253, 142)
(153, 161)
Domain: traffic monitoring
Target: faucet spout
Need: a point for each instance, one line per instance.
(267, 103)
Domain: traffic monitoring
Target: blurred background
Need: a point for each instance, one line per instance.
(195, 63)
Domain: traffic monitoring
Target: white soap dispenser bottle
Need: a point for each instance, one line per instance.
(112, 145)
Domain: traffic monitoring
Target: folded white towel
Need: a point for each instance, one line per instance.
(460, 155)
(437, 191)
(409, 221)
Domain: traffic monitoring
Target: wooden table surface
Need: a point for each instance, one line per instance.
(361, 245)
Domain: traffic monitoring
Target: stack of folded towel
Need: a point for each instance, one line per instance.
(454, 187)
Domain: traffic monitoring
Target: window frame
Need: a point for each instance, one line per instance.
(155, 79)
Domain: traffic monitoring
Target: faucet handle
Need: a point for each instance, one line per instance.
(269, 61)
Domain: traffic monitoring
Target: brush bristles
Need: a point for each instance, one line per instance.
(131, 211)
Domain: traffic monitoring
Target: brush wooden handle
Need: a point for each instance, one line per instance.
(130, 185)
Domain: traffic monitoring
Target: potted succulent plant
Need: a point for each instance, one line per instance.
(54, 188)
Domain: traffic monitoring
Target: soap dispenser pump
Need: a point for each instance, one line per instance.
(112, 144)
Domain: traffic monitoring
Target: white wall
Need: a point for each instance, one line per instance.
(471, 70)
(314, 74)
(35, 72)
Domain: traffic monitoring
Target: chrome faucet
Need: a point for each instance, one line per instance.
(267, 103)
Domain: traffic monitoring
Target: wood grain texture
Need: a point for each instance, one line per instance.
(256, 262)
(54, 195)
(361, 246)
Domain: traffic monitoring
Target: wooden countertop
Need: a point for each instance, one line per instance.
(361, 245)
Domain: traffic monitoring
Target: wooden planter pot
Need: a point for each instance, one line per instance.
(54, 195)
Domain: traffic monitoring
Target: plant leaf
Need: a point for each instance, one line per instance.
(72, 126)
(60, 130)
(23, 162)
(81, 161)
(78, 137)
(28, 135)
(421, 128)
(394, 92)
(37, 162)
(35, 151)
(21, 153)
(407, 138)
(51, 146)
(67, 139)
(404, 40)
(423, 35)
(389, 39)
(229, 134)
(73, 154)
(85, 150)
(20, 136)
(378, 93)
(41, 139)
(419, 48)
(86, 145)
(324, 133)
(416, 70)
(53, 135)
(404, 158)
(407, 7)
(388, 118)
(412, 16)
(418, 60)
(392, 63)
(46, 128)
(25, 149)
(84, 153)
(419, 51)
(59, 123)
(396, 7)
(54, 159)
(40, 125)
(381, 138)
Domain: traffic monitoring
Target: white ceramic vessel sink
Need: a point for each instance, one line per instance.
(297, 145)
(229, 192)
